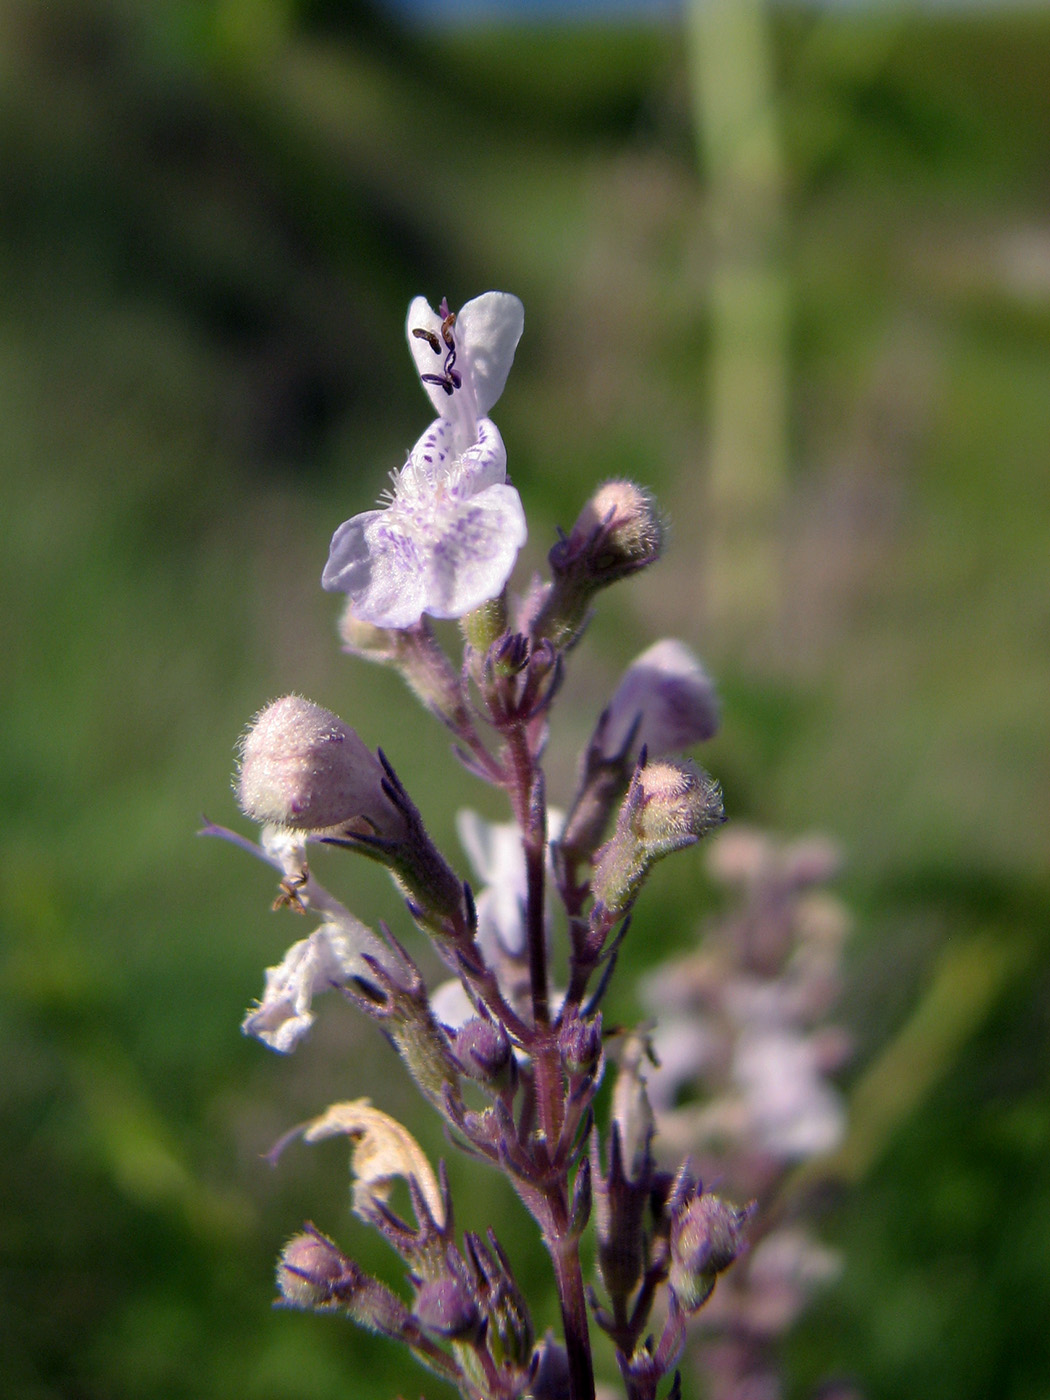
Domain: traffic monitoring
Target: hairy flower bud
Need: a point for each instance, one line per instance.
(580, 1044)
(618, 532)
(446, 1307)
(312, 1271)
(483, 1049)
(706, 1236)
(668, 806)
(668, 695)
(621, 1200)
(302, 767)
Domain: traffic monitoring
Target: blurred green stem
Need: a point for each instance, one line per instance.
(735, 117)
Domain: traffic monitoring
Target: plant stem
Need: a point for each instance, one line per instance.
(564, 1252)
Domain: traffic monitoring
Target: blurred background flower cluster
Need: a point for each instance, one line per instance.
(787, 266)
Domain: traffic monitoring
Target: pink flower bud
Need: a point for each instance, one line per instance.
(669, 694)
(484, 1051)
(618, 532)
(302, 767)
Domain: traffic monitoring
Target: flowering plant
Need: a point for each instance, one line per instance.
(510, 1062)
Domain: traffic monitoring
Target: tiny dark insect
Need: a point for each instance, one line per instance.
(289, 897)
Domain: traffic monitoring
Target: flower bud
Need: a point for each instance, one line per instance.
(670, 697)
(312, 1272)
(485, 625)
(484, 1051)
(706, 1236)
(510, 1332)
(580, 1044)
(668, 806)
(549, 1370)
(445, 1306)
(621, 1201)
(618, 532)
(302, 767)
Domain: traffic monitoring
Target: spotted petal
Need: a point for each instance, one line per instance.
(445, 544)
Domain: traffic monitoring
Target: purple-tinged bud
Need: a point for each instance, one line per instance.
(669, 696)
(580, 1044)
(510, 1332)
(549, 1371)
(312, 1272)
(483, 1050)
(302, 767)
(618, 532)
(706, 1236)
(621, 1204)
(445, 1307)
(668, 806)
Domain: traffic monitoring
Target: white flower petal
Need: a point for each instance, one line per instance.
(495, 851)
(490, 327)
(473, 559)
(330, 956)
(451, 1005)
(460, 406)
(447, 542)
(485, 335)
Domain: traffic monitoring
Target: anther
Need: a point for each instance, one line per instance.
(430, 338)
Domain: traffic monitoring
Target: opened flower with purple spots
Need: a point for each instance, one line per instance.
(448, 536)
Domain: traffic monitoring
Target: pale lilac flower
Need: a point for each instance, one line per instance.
(793, 1112)
(329, 957)
(669, 694)
(448, 537)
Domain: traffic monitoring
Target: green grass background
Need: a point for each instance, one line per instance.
(212, 217)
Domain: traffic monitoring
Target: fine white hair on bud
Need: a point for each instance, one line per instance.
(668, 806)
(302, 767)
(312, 1270)
(619, 529)
(671, 698)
